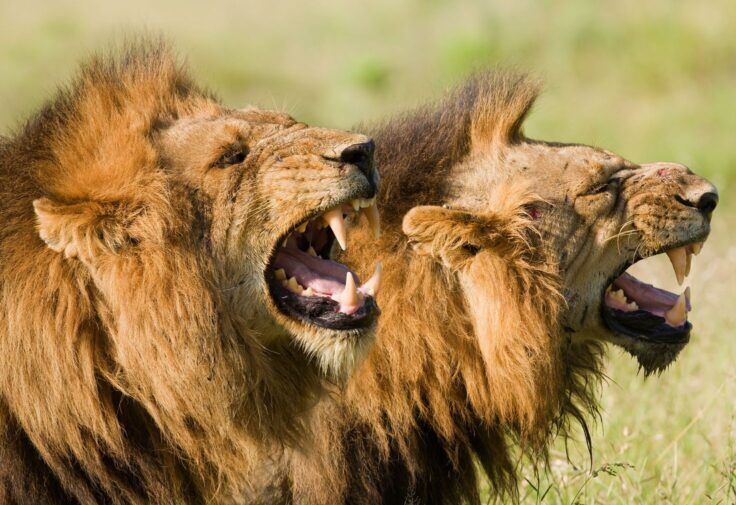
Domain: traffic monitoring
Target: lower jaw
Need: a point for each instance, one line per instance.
(645, 327)
(322, 312)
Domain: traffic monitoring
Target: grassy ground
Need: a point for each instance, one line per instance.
(651, 80)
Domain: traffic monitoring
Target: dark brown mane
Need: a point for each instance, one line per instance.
(418, 147)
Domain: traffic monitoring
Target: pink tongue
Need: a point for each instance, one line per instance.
(323, 276)
(647, 297)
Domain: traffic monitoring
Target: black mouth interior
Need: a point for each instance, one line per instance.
(307, 284)
(637, 309)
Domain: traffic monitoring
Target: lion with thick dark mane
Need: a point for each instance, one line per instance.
(504, 265)
(168, 302)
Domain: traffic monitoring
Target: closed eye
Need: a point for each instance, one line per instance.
(234, 155)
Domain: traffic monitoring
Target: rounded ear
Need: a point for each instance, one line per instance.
(447, 234)
(84, 229)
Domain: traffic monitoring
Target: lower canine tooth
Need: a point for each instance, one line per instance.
(370, 287)
(349, 295)
(311, 251)
(678, 257)
(677, 315)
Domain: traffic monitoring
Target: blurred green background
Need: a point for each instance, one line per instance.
(652, 80)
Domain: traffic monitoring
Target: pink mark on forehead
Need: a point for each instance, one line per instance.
(666, 172)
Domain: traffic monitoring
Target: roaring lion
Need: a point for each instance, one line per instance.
(168, 302)
(504, 263)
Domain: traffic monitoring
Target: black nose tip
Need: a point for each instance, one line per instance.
(360, 155)
(707, 202)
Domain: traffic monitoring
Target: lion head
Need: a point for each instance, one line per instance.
(167, 283)
(597, 214)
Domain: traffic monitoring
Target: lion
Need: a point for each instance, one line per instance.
(170, 305)
(504, 263)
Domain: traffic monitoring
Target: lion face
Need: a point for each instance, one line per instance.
(265, 200)
(601, 214)
(263, 170)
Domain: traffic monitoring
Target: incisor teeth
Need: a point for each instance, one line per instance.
(678, 258)
(697, 247)
(367, 202)
(677, 315)
(308, 292)
(374, 220)
(311, 251)
(370, 287)
(633, 306)
(294, 286)
(335, 221)
(280, 274)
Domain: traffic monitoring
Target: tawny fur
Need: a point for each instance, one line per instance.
(470, 363)
(135, 364)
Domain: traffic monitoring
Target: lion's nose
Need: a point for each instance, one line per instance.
(707, 202)
(360, 155)
(703, 197)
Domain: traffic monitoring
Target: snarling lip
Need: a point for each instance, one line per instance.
(637, 309)
(307, 284)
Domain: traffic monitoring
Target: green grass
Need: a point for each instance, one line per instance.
(651, 80)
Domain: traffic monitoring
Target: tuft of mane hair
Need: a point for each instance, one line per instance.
(122, 400)
(454, 381)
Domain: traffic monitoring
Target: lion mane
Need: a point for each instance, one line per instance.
(156, 394)
(470, 367)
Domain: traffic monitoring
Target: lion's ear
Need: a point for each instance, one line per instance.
(83, 229)
(447, 234)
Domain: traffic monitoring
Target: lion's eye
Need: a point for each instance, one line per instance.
(233, 156)
(603, 187)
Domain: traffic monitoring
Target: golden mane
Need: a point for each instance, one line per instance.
(155, 395)
(470, 362)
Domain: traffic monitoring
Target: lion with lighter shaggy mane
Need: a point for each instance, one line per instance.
(504, 265)
(148, 351)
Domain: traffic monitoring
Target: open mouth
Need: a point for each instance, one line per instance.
(307, 284)
(640, 310)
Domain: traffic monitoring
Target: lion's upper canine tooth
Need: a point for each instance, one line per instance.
(677, 315)
(302, 228)
(374, 220)
(335, 221)
(356, 204)
(678, 257)
(370, 287)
